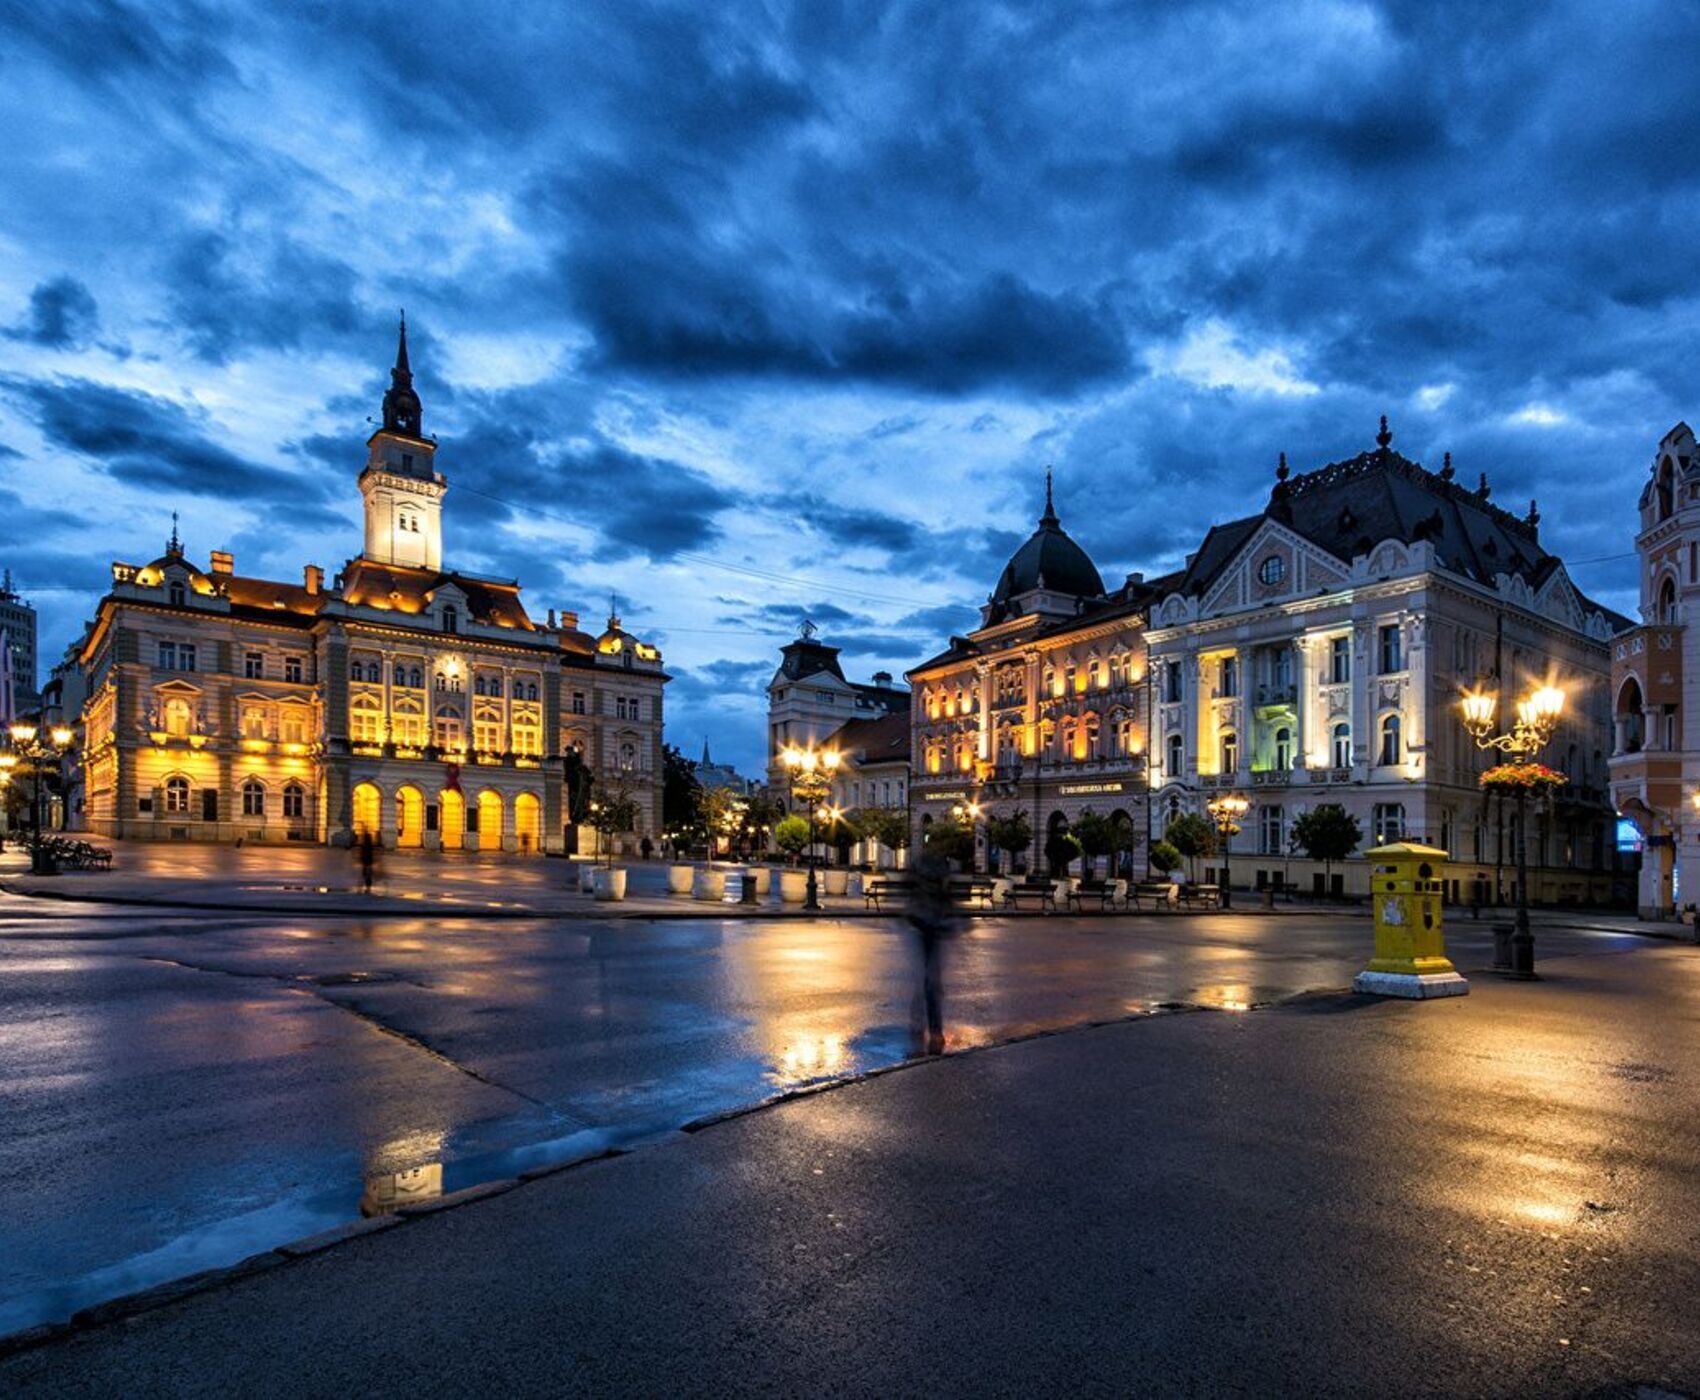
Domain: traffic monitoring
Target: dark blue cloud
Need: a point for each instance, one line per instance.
(63, 315)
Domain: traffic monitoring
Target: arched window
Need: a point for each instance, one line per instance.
(531, 691)
(401, 675)
(478, 685)
(1283, 749)
(1667, 601)
(1342, 746)
(1667, 490)
(628, 757)
(1177, 758)
(294, 801)
(416, 678)
(177, 795)
(1230, 752)
(363, 720)
(253, 798)
(1390, 751)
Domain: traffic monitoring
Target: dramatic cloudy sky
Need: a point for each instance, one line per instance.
(752, 311)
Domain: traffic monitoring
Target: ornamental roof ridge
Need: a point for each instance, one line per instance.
(1385, 459)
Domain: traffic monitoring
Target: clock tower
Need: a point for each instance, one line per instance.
(402, 491)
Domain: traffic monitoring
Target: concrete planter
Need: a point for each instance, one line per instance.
(610, 884)
(837, 880)
(793, 886)
(709, 885)
(679, 878)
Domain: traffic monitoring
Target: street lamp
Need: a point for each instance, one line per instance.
(809, 772)
(1226, 812)
(1537, 717)
(31, 749)
(968, 812)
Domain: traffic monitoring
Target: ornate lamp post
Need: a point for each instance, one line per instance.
(809, 772)
(1537, 717)
(33, 749)
(1226, 812)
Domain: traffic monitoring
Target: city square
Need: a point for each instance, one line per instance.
(815, 699)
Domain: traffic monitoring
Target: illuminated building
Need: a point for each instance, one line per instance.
(418, 702)
(1043, 707)
(18, 625)
(1315, 652)
(810, 698)
(1655, 764)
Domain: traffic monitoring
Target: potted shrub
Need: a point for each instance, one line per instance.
(609, 816)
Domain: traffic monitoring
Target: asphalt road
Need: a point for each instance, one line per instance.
(1488, 1195)
(181, 1091)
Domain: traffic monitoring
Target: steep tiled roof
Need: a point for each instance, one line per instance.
(882, 740)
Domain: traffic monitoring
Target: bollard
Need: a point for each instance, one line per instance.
(749, 893)
(1410, 946)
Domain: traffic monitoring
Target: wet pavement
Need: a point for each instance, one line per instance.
(183, 1090)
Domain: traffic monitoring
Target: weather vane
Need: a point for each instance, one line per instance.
(808, 631)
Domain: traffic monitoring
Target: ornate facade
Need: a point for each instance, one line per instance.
(1044, 706)
(1315, 652)
(1655, 765)
(423, 704)
(809, 700)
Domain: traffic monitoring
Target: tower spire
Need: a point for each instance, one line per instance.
(174, 545)
(401, 403)
(1050, 515)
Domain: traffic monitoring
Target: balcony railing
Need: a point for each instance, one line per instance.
(1278, 694)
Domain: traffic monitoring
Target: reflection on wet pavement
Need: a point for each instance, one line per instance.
(184, 1092)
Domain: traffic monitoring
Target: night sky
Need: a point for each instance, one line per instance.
(747, 312)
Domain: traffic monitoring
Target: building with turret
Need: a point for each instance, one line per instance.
(18, 627)
(403, 697)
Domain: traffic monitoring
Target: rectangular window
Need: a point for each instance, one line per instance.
(619, 706)
(1271, 833)
(1389, 822)
(168, 656)
(1172, 682)
(292, 669)
(487, 736)
(1340, 660)
(578, 702)
(1392, 649)
(294, 727)
(1228, 682)
(253, 722)
(254, 665)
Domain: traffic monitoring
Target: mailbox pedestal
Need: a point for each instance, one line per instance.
(1410, 947)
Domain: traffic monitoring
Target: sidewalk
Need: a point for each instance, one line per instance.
(1486, 1195)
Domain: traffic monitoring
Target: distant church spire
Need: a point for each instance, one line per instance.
(1050, 515)
(401, 404)
(706, 762)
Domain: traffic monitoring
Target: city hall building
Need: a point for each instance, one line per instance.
(1043, 708)
(420, 703)
(1315, 652)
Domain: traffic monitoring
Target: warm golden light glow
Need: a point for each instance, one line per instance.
(23, 733)
(1478, 707)
(62, 736)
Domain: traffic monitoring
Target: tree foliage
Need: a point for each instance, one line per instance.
(950, 839)
(887, 825)
(1164, 857)
(792, 836)
(1012, 834)
(1191, 834)
(679, 789)
(1327, 832)
(612, 814)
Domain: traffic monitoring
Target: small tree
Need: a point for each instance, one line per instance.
(679, 789)
(1097, 836)
(1061, 847)
(1328, 832)
(1191, 834)
(950, 839)
(792, 836)
(718, 809)
(611, 815)
(1012, 834)
(887, 825)
(1164, 857)
(761, 814)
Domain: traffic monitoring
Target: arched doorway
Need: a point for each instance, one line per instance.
(453, 809)
(409, 817)
(528, 822)
(1126, 838)
(368, 810)
(489, 820)
(1630, 717)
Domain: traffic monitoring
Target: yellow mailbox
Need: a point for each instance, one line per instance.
(1410, 945)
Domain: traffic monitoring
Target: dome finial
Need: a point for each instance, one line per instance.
(1385, 437)
(1446, 472)
(1281, 468)
(174, 546)
(1050, 515)
(1534, 516)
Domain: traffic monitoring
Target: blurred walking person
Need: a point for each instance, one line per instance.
(933, 918)
(368, 855)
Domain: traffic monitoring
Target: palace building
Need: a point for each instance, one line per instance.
(1655, 765)
(1043, 708)
(1315, 652)
(420, 703)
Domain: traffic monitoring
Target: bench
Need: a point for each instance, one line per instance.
(1106, 894)
(1160, 894)
(1044, 894)
(1201, 896)
(975, 891)
(874, 891)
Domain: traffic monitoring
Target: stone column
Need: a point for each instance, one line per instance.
(1364, 684)
(1301, 707)
(983, 678)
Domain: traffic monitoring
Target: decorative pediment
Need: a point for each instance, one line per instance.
(1559, 600)
(1274, 565)
(177, 687)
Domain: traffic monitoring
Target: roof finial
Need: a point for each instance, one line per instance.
(1483, 489)
(1050, 515)
(1281, 468)
(401, 345)
(1446, 472)
(1534, 516)
(1385, 436)
(808, 631)
(174, 545)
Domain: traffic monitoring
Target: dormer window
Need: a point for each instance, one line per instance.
(177, 593)
(451, 619)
